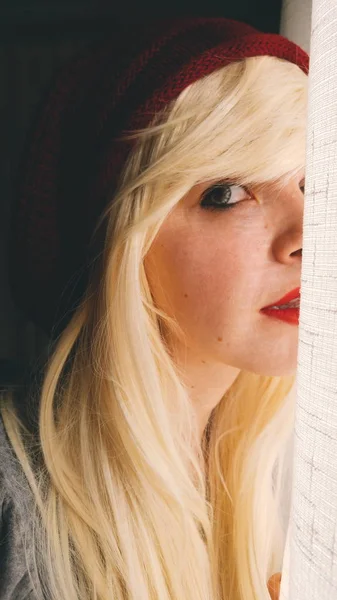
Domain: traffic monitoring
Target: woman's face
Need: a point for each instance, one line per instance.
(214, 270)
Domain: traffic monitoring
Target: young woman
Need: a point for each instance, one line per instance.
(160, 212)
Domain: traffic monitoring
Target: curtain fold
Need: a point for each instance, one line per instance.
(310, 560)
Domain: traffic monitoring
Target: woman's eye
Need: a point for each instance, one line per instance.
(222, 196)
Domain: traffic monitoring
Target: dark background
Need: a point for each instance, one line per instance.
(36, 37)
(62, 17)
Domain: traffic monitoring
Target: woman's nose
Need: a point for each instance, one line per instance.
(288, 241)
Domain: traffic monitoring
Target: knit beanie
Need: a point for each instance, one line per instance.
(74, 155)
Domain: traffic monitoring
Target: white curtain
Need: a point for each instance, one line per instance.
(310, 561)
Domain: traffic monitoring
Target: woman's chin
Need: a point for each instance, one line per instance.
(277, 370)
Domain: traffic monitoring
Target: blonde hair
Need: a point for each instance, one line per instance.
(130, 505)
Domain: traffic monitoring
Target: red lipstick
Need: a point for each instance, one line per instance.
(287, 298)
(282, 310)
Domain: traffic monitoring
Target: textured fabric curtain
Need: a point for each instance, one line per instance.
(310, 560)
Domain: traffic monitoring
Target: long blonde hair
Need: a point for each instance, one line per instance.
(129, 505)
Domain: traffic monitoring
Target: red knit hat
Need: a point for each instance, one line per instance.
(73, 158)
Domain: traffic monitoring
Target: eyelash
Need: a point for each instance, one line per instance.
(222, 207)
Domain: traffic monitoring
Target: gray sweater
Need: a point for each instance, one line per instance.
(16, 502)
(15, 498)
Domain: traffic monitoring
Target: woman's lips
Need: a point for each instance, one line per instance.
(290, 315)
(291, 296)
(286, 309)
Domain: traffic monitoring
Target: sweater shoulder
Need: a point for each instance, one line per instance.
(15, 512)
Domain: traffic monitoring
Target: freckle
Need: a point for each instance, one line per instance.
(219, 339)
(185, 295)
(203, 361)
